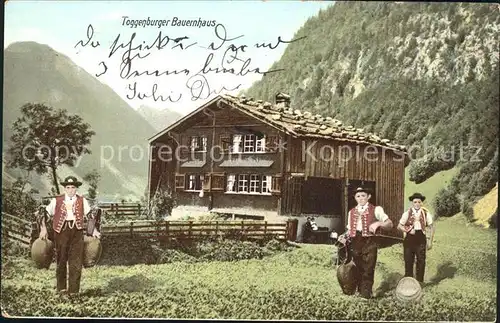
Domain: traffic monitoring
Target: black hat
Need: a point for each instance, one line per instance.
(362, 189)
(417, 196)
(71, 180)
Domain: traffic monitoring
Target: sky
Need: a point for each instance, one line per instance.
(191, 66)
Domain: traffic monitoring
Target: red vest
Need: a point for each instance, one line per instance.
(367, 218)
(411, 219)
(60, 213)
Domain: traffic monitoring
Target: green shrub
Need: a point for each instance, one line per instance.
(424, 168)
(468, 211)
(446, 203)
(165, 256)
(161, 204)
(17, 201)
(277, 245)
(230, 250)
(128, 251)
(11, 249)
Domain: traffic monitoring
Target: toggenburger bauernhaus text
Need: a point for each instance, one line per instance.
(174, 22)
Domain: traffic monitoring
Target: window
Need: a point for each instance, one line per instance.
(248, 144)
(260, 145)
(266, 184)
(231, 181)
(248, 184)
(194, 182)
(198, 143)
(255, 185)
(237, 144)
(243, 183)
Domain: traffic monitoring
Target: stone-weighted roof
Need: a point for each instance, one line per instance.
(305, 124)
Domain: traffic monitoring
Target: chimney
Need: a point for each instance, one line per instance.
(282, 100)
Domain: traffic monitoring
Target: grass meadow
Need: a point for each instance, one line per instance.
(460, 285)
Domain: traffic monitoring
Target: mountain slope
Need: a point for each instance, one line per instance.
(158, 119)
(422, 74)
(486, 207)
(36, 73)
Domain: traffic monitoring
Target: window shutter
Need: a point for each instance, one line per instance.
(179, 182)
(272, 143)
(205, 185)
(276, 184)
(225, 142)
(218, 181)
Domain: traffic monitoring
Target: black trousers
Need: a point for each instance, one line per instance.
(364, 253)
(69, 253)
(415, 246)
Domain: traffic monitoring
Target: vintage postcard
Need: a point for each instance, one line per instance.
(251, 160)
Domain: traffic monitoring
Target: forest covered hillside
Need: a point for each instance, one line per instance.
(422, 74)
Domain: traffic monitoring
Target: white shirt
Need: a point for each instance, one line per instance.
(416, 223)
(379, 215)
(69, 203)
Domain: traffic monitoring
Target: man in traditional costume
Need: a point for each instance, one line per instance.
(362, 223)
(68, 211)
(413, 224)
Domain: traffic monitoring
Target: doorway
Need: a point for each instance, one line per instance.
(322, 196)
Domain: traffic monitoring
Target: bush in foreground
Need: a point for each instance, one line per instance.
(128, 251)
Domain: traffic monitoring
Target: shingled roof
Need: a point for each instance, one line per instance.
(305, 124)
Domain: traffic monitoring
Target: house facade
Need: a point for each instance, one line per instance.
(240, 156)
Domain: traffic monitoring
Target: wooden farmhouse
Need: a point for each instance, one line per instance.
(240, 156)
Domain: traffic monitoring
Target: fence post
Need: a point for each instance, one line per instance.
(168, 230)
(292, 225)
(131, 229)
(190, 228)
(216, 228)
(139, 209)
(265, 228)
(287, 230)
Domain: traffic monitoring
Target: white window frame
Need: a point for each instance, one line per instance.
(243, 181)
(194, 143)
(260, 145)
(236, 143)
(249, 144)
(193, 179)
(231, 185)
(204, 143)
(255, 184)
(250, 184)
(199, 143)
(266, 184)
